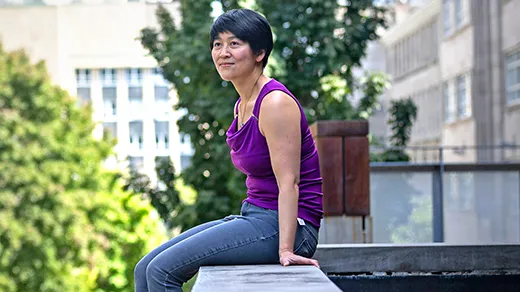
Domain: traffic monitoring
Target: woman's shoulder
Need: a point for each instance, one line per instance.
(273, 86)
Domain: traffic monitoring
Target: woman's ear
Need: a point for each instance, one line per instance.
(260, 56)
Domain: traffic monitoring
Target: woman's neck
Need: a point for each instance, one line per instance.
(247, 87)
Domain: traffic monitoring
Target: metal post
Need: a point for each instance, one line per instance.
(438, 209)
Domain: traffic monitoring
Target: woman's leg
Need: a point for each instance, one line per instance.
(249, 239)
(142, 265)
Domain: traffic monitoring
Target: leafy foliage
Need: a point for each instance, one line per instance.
(65, 224)
(402, 115)
(317, 44)
(186, 62)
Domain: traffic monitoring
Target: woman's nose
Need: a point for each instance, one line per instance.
(225, 51)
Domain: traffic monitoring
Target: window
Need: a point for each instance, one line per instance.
(110, 129)
(185, 146)
(461, 12)
(109, 77)
(463, 98)
(136, 135)
(135, 97)
(135, 93)
(109, 102)
(83, 77)
(457, 98)
(513, 76)
(446, 16)
(449, 103)
(161, 100)
(455, 14)
(161, 94)
(162, 135)
(134, 76)
(458, 12)
(84, 95)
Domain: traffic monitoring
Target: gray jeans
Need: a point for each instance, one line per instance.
(249, 238)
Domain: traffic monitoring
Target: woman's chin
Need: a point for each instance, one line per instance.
(227, 77)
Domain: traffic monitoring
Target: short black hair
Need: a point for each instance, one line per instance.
(247, 25)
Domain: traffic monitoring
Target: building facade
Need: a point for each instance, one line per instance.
(458, 61)
(375, 61)
(92, 51)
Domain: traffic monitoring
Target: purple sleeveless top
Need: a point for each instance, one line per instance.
(250, 155)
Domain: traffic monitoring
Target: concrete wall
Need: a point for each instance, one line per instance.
(428, 126)
(461, 133)
(456, 53)
(34, 29)
(412, 60)
(456, 58)
(510, 24)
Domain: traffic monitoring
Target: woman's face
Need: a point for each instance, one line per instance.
(233, 57)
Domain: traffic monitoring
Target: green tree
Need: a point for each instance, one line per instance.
(65, 224)
(184, 57)
(313, 55)
(318, 43)
(403, 113)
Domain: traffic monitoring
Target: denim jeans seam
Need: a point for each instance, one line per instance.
(309, 233)
(240, 244)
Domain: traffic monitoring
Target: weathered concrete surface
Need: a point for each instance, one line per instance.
(360, 258)
(256, 278)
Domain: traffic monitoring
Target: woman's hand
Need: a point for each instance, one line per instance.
(289, 258)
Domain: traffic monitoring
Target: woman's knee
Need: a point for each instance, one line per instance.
(158, 271)
(140, 269)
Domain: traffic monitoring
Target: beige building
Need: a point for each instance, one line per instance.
(459, 60)
(374, 61)
(90, 49)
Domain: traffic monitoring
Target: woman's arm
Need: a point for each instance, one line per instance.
(280, 124)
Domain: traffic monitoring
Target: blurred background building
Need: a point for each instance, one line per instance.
(91, 50)
(459, 60)
(375, 60)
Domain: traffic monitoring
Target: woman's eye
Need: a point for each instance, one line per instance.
(234, 43)
(216, 44)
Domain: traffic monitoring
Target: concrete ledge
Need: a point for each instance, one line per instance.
(254, 278)
(367, 258)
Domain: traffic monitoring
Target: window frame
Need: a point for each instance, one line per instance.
(512, 63)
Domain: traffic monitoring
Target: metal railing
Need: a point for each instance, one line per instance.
(456, 153)
(480, 200)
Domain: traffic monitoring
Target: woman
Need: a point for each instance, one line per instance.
(271, 143)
